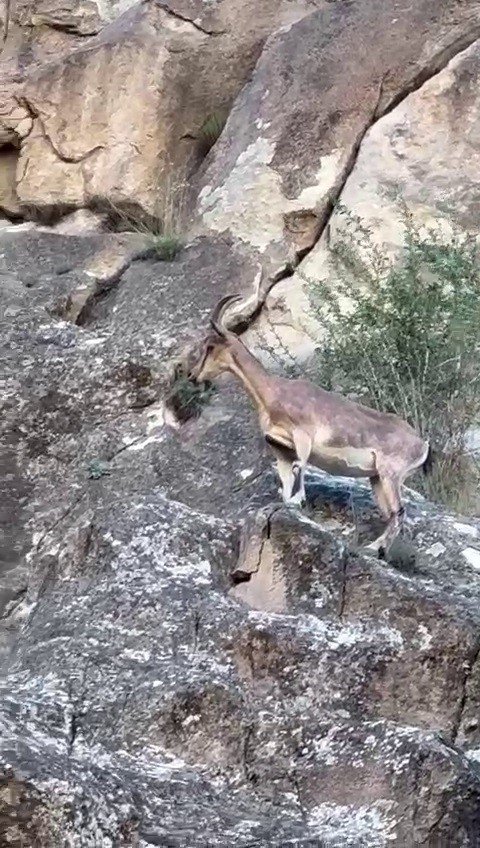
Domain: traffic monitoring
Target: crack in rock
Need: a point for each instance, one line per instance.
(343, 591)
(174, 14)
(64, 157)
(470, 664)
(38, 547)
(69, 29)
(14, 604)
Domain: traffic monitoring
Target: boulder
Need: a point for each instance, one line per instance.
(293, 136)
(422, 155)
(120, 119)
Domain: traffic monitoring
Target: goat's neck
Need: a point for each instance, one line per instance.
(256, 380)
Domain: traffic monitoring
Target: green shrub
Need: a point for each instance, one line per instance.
(403, 336)
(187, 399)
(211, 130)
(166, 246)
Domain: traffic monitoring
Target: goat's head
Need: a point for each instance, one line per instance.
(215, 353)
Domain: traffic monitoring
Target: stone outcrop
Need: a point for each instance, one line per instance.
(180, 680)
(293, 134)
(424, 154)
(118, 120)
(183, 660)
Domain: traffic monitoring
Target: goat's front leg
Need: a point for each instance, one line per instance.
(285, 472)
(284, 463)
(303, 447)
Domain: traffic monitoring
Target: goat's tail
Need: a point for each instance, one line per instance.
(428, 461)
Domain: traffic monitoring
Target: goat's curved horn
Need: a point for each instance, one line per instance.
(218, 312)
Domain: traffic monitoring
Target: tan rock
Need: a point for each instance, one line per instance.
(289, 142)
(78, 17)
(119, 120)
(15, 120)
(8, 196)
(292, 138)
(81, 222)
(425, 154)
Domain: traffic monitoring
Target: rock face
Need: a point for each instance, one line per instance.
(110, 122)
(286, 151)
(178, 679)
(184, 661)
(405, 158)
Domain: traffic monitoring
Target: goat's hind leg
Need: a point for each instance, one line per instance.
(386, 490)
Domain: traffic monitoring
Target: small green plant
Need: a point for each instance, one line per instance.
(166, 246)
(97, 468)
(211, 130)
(403, 336)
(187, 399)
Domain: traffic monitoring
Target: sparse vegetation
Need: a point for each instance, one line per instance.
(163, 230)
(97, 469)
(165, 246)
(211, 130)
(187, 399)
(403, 336)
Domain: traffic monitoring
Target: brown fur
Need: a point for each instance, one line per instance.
(322, 428)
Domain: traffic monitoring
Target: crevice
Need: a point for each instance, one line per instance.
(469, 668)
(296, 786)
(174, 14)
(436, 65)
(72, 732)
(197, 618)
(432, 836)
(14, 604)
(6, 20)
(250, 775)
(135, 441)
(343, 591)
(68, 29)
(238, 575)
(55, 524)
(100, 288)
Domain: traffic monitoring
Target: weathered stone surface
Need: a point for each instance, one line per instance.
(292, 138)
(119, 118)
(289, 141)
(8, 197)
(185, 662)
(152, 698)
(424, 154)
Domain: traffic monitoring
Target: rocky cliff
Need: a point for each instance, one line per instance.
(185, 662)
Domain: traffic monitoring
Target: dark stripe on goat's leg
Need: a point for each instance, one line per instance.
(297, 478)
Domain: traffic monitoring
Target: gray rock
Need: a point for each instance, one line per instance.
(169, 678)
